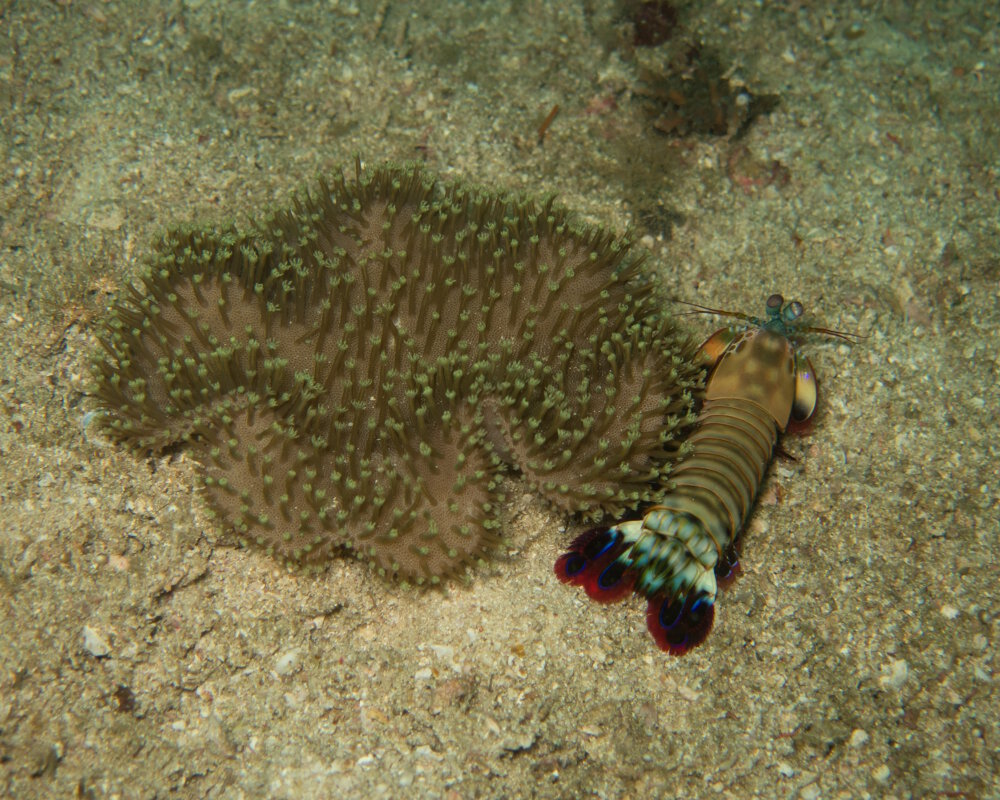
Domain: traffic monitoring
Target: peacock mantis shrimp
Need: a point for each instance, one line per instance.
(759, 385)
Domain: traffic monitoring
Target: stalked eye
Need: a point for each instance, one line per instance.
(792, 311)
(774, 302)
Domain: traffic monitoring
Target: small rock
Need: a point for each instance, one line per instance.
(288, 662)
(809, 792)
(895, 674)
(443, 651)
(94, 643)
(448, 693)
(43, 759)
(858, 738)
(424, 751)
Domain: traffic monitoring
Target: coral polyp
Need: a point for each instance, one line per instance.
(355, 371)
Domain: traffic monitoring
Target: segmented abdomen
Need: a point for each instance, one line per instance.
(677, 551)
(683, 540)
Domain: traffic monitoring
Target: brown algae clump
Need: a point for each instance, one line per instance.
(354, 372)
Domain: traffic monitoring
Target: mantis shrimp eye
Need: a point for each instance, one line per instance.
(774, 302)
(792, 311)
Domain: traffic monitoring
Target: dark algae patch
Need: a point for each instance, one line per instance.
(693, 96)
(354, 372)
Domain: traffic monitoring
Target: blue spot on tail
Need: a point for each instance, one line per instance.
(611, 575)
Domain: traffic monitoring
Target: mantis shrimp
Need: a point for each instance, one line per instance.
(676, 556)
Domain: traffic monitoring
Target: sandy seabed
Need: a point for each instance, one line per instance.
(143, 655)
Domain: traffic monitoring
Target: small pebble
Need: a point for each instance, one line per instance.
(288, 662)
(443, 651)
(809, 792)
(424, 751)
(859, 738)
(895, 674)
(94, 643)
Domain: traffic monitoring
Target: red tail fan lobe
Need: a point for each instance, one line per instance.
(591, 562)
(678, 626)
